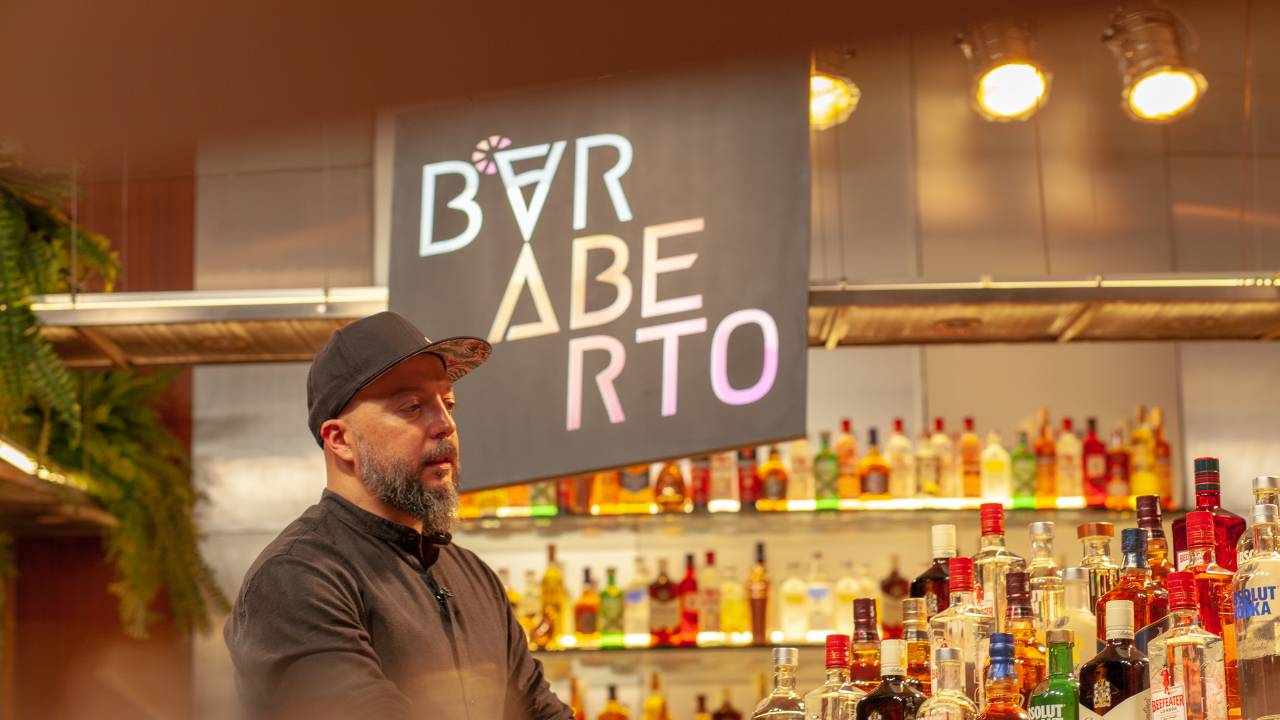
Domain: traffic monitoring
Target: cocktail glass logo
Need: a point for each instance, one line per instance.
(495, 154)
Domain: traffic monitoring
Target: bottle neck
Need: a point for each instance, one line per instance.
(944, 558)
(960, 598)
(1133, 561)
(1200, 555)
(993, 540)
(865, 633)
(784, 679)
(1266, 497)
(1042, 548)
(1120, 642)
(1266, 538)
(1004, 691)
(1020, 617)
(1096, 548)
(1185, 617)
(1061, 659)
(838, 674)
(951, 677)
(1208, 499)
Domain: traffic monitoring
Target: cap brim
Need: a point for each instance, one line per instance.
(460, 355)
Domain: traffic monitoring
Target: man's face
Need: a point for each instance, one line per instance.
(401, 429)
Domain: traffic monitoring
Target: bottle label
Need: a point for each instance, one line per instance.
(1184, 557)
(826, 474)
(635, 597)
(775, 486)
(875, 483)
(611, 613)
(1050, 711)
(1257, 601)
(663, 614)
(1133, 707)
(634, 481)
(1168, 703)
(709, 619)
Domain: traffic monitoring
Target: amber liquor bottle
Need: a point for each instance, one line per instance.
(1005, 699)
(1149, 520)
(1115, 683)
(1132, 584)
(864, 662)
(893, 698)
(664, 609)
(758, 586)
(933, 585)
(915, 632)
(1030, 657)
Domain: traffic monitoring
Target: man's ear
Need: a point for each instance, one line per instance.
(336, 435)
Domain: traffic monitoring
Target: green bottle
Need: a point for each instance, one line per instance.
(826, 475)
(612, 608)
(1022, 463)
(1058, 696)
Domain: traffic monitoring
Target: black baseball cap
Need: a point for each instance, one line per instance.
(360, 352)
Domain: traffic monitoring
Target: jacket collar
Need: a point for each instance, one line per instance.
(424, 547)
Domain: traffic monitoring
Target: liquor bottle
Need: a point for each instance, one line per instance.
(605, 487)
(894, 698)
(702, 713)
(586, 613)
(513, 595)
(873, 472)
(927, 467)
(1058, 696)
(565, 496)
(847, 589)
(1022, 468)
(1095, 468)
(932, 584)
(794, 605)
(709, 589)
(1213, 582)
(635, 613)
(670, 492)
(1228, 526)
(724, 482)
(726, 711)
(1047, 593)
(847, 460)
(782, 702)
(901, 460)
(688, 603)
(612, 612)
(614, 710)
(1157, 546)
(1118, 471)
(1077, 614)
(864, 662)
(1095, 541)
(555, 599)
(1131, 585)
(1031, 659)
(773, 483)
(915, 633)
(635, 493)
(836, 698)
(655, 706)
(969, 453)
(1257, 614)
(1142, 454)
(801, 486)
(821, 600)
(949, 480)
(518, 496)
(1046, 465)
(1187, 674)
(748, 479)
(993, 562)
(1003, 689)
(826, 475)
(1069, 471)
(1164, 460)
(575, 699)
(1266, 491)
(997, 475)
(529, 609)
(948, 700)
(664, 608)
(758, 597)
(735, 610)
(894, 588)
(542, 499)
(1115, 683)
(964, 625)
(700, 482)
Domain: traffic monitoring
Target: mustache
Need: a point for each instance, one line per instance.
(444, 452)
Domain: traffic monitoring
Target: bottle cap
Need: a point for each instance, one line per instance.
(613, 692)
(586, 576)
(1207, 475)
(864, 611)
(968, 423)
(937, 424)
(873, 436)
(1075, 573)
(915, 610)
(1095, 529)
(961, 571)
(1061, 636)
(846, 425)
(1001, 646)
(1119, 620)
(1133, 541)
(1265, 514)
(1149, 512)
(837, 651)
(688, 560)
(1042, 528)
(1068, 425)
(825, 437)
(1266, 482)
(711, 558)
(891, 654)
(944, 541)
(992, 515)
(948, 654)
(786, 656)
(1182, 590)
(1199, 528)
(760, 552)
(897, 425)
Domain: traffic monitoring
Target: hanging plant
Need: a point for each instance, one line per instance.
(98, 425)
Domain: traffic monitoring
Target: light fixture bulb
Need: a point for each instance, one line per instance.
(1011, 91)
(1164, 94)
(1148, 42)
(832, 99)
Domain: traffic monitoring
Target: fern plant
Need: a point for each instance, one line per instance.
(100, 426)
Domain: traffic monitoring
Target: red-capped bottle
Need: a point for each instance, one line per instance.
(688, 636)
(1228, 527)
(993, 562)
(1095, 467)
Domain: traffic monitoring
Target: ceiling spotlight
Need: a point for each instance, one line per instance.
(832, 95)
(1008, 83)
(1148, 41)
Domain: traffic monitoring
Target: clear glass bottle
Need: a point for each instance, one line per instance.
(948, 701)
(1077, 614)
(1266, 491)
(993, 562)
(932, 584)
(635, 613)
(915, 633)
(1115, 683)
(901, 460)
(926, 462)
(1069, 470)
(1047, 589)
(1004, 695)
(1187, 667)
(1257, 617)
(1095, 541)
(735, 610)
(782, 702)
(847, 588)
(864, 660)
(655, 706)
(964, 625)
(894, 698)
(821, 600)
(949, 481)
(802, 487)
(709, 587)
(996, 472)
(529, 610)
(1058, 697)
(836, 698)
(794, 611)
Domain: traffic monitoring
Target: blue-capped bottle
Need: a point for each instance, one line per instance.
(1003, 690)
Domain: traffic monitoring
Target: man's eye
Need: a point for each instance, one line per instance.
(450, 405)
(412, 407)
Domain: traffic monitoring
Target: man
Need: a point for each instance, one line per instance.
(362, 607)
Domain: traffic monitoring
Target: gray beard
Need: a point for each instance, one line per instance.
(399, 485)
